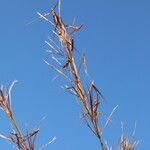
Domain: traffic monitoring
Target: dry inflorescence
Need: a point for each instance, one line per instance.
(64, 56)
(126, 144)
(16, 137)
(62, 50)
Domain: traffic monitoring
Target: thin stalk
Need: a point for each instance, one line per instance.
(76, 75)
(16, 126)
(101, 142)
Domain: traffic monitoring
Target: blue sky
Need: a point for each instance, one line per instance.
(115, 39)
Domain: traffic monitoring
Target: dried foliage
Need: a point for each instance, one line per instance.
(16, 137)
(64, 56)
(126, 144)
(62, 50)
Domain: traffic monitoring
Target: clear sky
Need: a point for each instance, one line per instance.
(115, 39)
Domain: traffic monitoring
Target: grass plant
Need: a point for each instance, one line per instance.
(63, 52)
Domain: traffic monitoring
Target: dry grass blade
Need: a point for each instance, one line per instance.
(39, 18)
(44, 17)
(54, 138)
(57, 70)
(5, 138)
(109, 117)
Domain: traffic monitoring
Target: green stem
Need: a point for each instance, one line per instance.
(16, 126)
(101, 142)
